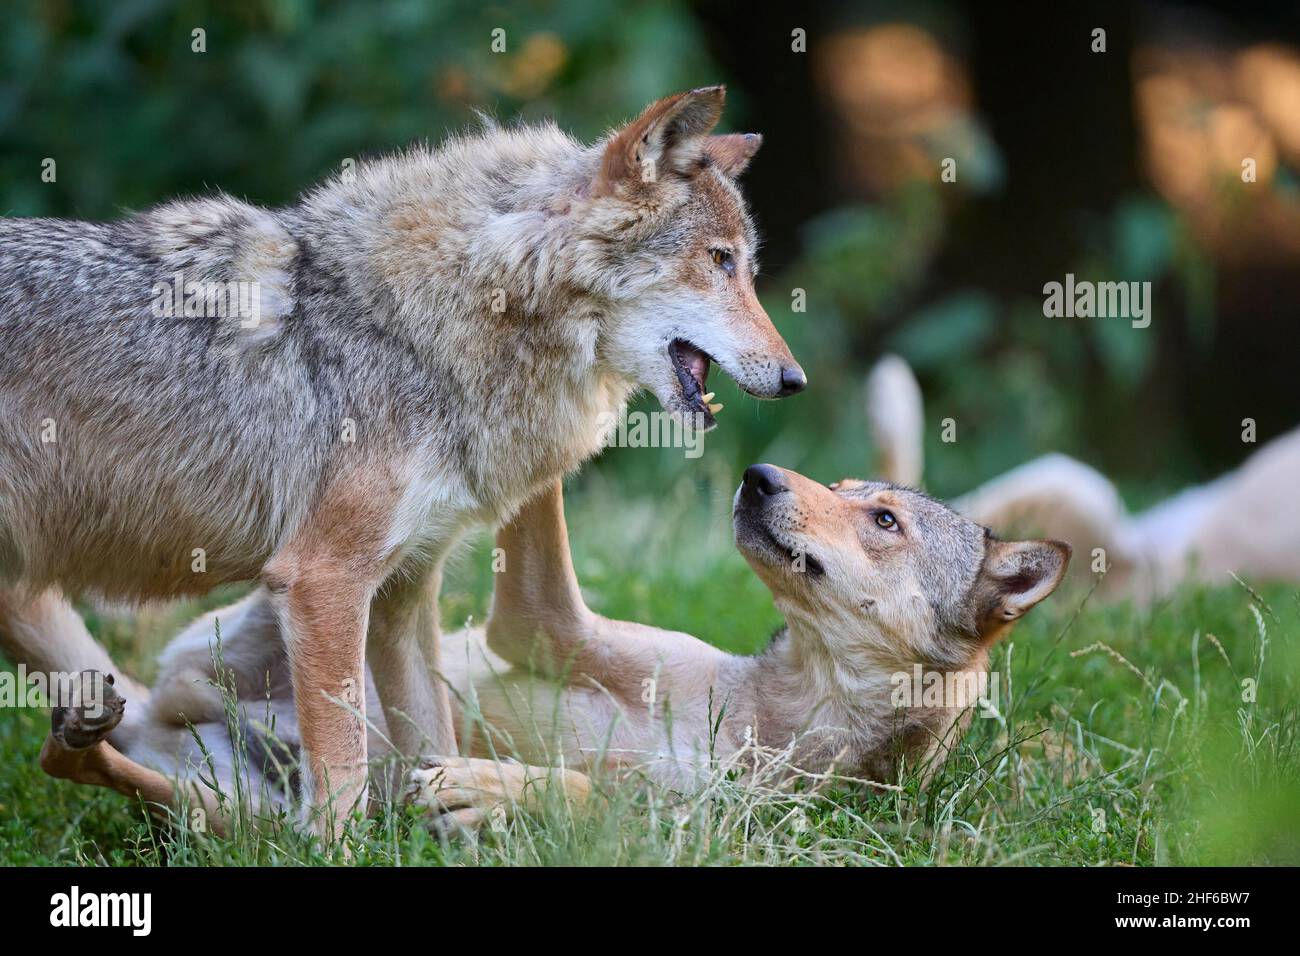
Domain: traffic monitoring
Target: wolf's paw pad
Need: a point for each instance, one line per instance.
(86, 710)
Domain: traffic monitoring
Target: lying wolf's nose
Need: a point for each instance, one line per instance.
(763, 481)
(792, 380)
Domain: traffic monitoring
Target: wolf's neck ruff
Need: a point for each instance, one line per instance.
(811, 677)
(469, 259)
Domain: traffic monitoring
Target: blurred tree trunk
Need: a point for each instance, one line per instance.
(791, 179)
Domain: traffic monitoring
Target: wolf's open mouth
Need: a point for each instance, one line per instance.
(692, 367)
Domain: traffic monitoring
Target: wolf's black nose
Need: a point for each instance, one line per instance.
(793, 380)
(763, 481)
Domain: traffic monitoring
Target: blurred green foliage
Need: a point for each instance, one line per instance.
(288, 88)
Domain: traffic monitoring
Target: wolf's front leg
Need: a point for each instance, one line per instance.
(467, 792)
(324, 609)
(322, 581)
(402, 651)
(539, 619)
(540, 622)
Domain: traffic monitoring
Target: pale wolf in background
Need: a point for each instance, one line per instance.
(1244, 523)
(440, 334)
(875, 581)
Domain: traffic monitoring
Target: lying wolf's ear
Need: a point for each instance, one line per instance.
(1017, 575)
(732, 152)
(665, 138)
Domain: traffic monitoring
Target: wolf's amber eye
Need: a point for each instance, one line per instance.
(723, 259)
(887, 521)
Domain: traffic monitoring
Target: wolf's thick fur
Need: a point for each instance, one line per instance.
(555, 684)
(442, 334)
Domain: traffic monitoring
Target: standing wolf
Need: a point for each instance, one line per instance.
(417, 346)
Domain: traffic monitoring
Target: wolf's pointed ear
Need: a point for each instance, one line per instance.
(665, 137)
(732, 152)
(1017, 575)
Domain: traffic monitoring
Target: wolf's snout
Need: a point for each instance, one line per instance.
(762, 482)
(793, 381)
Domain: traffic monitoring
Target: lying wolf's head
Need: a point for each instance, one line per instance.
(673, 249)
(887, 574)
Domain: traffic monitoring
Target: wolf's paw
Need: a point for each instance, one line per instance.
(87, 710)
(464, 793)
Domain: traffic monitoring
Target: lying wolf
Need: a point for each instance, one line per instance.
(876, 582)
(427, 341)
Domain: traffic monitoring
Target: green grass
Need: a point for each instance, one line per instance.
(1125, 736)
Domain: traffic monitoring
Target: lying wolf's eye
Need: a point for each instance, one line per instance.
(723, 259)
(887, 520)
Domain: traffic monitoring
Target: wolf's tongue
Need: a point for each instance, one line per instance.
(697, 363)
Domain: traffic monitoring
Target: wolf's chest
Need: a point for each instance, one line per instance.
(511, 454)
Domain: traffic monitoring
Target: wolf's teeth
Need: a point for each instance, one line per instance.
(707, 398)
(715, 408)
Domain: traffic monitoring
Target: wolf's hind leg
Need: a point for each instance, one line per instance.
(85, 710)
(1058, 497)
(45, 634)
(77, 749)
(188, 689)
